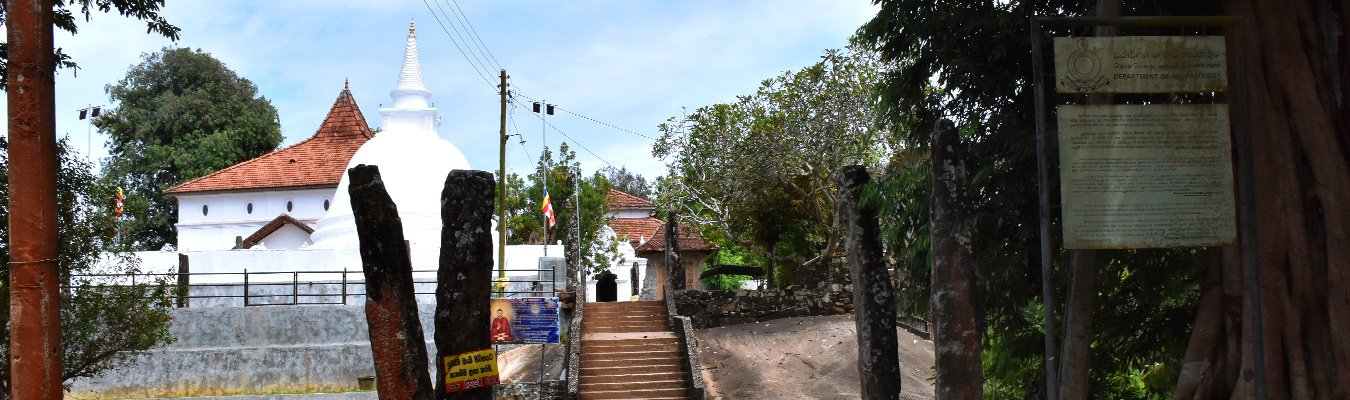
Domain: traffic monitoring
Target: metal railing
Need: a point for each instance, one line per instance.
(335, 287)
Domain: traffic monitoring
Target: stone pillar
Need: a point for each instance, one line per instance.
(464, 279)
(955, 294)
(391, 308)
(675, 274)
(184, 284)
(873, 294)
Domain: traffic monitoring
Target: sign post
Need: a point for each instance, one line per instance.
(1098, 146)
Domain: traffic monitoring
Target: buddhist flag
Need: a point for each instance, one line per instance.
(548, 210)
(117, 210)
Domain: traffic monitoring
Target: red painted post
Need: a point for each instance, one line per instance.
(34, 308)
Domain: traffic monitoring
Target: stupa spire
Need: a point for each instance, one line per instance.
(410, 77)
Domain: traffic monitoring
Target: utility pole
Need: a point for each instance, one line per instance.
(35, 301)
(501, 194)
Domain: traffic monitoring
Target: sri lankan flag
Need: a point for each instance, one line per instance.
(548, 210)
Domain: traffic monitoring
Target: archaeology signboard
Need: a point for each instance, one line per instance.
(1143, 176)
(1140, 64)
(472, 370)
(530, 320)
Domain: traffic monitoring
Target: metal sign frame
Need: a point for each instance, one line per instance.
(1247, 229)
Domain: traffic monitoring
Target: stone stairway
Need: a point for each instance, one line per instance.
(628, 352)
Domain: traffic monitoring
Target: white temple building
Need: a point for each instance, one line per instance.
(286, 215)
(288, 211)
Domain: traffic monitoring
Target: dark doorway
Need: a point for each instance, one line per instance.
(607, 287)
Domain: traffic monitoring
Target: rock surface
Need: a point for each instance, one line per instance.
(802, 357)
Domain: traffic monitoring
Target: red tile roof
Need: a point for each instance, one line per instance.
(619, 199)
(315, 162)
(277, 223)
(690, 240)
(636, 229)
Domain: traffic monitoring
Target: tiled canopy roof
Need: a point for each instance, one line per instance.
(619, 199)
(690, 240)
(636, 229)
(315, 162)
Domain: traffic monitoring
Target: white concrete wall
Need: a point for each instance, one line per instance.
(287, 237)
(630, 213)
(227, 214)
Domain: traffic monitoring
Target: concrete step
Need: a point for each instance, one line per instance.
(633, 355)
(629, 363)
(624, 314)
(620, 329)
(679, 393)
(634, 385)
(657, 325)
(629, 376)
(625, 304)
(634, 369)
(635, 337)
(598, 347)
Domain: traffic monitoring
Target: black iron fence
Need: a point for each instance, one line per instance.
(268, 288)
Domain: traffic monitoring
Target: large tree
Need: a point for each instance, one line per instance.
(180, 114)
(972, 60)
(759, 171)
(64, 18)
(104, 321)
(524, 202)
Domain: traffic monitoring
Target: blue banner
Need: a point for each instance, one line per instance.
(532, 320)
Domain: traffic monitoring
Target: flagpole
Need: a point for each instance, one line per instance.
(548, 164)
(544, 109)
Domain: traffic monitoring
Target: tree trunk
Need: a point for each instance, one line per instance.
(1075, 363)
(676, 275)
(1076, 349)
(873, 295)
(1296, 72)
(956, 314)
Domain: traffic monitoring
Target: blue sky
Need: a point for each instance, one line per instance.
(632, 64)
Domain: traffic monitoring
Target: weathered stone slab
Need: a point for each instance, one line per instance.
(391, 311)
(464, 279)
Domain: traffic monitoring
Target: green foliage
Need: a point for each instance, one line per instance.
(761, 170)
(970, 61)
(728, 254)
(181, 114)
(103, 323)
(626, 181)
(63, 18)
(524, 203)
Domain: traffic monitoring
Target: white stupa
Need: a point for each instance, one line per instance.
(413, 162)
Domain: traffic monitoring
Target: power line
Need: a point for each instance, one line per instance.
(461, 50)
(612, 126)
(475, 35)
(605, 123)
(574, 141)
(467, 43)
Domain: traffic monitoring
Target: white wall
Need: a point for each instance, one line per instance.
(287, 237)
(227, 215)
(623, 268)
(630, 213)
